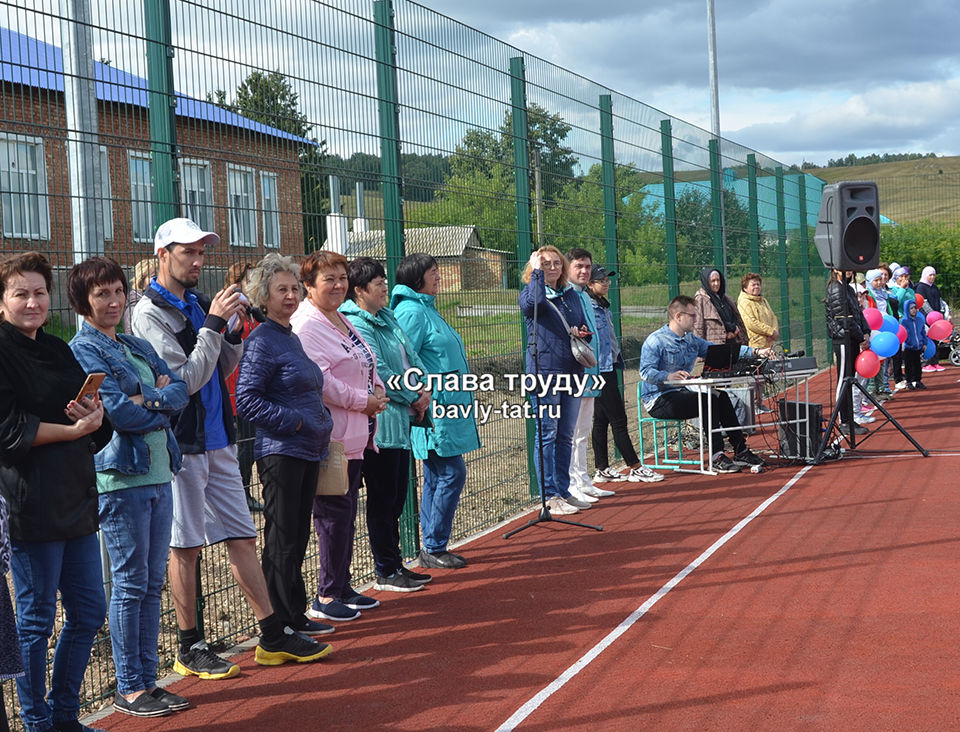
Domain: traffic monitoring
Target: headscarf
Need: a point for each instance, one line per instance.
(719, 299)
(879, 294)
(925, 275)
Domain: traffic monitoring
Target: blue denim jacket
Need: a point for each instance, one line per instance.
(663, 353)
(609, 356)
(127, 451)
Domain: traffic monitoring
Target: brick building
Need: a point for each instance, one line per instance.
(237, 177)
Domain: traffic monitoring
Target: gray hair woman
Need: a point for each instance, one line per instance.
(280, 390)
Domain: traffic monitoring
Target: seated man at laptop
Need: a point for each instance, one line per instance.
(668, 355)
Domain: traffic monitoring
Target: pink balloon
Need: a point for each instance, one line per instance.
(902, 334)
(933, 316)
(868, 364)
(874, 318)
(940, 330)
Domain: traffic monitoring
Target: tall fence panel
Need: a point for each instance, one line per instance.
(378, 128)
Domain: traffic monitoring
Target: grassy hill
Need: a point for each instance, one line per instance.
(910, 190)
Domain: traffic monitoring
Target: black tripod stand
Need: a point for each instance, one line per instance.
(849, 383)
(544, 516)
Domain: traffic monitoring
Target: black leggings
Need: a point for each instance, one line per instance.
(608, 411)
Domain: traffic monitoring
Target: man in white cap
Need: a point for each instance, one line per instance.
(187, 329)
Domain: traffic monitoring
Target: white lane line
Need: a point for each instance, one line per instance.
(533, 704)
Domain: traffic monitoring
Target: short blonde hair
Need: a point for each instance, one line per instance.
(564, 266)
(256, 286)
(143, 272)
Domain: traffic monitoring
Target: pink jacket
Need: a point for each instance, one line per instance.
(345, 376)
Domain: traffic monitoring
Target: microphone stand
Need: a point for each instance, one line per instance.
(544, 516)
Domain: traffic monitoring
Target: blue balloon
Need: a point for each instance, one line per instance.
(885, 344)
(930, 349)
(890, 324)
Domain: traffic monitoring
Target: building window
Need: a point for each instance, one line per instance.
(106, 198)
(242, 201)
(196, 190)
(271, 209)
(23, 188)
(141, 195)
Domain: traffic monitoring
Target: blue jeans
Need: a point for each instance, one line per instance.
(443, 479)
(557, 433)
(136, 529)
(39, 569)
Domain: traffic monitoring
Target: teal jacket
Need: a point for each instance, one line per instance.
(441, 350)
(383, 334)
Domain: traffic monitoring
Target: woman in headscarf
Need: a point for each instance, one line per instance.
(932, 302)
(718, 320)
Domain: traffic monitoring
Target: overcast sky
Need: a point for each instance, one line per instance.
(808, 80)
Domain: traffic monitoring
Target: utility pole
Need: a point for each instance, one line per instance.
(715, 112)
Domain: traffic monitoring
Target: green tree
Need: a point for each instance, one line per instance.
(695, 231)
(577, 220)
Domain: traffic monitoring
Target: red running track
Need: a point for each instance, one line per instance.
(817, 598)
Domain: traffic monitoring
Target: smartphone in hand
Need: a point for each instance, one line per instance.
(91, 385)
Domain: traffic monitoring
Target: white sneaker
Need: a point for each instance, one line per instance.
(606, 475)
(581, 496)
(560, 507)
(596, 492)
(864, 419)
(900, 385)
(643, 474)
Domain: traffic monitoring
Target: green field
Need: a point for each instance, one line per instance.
(909, 190)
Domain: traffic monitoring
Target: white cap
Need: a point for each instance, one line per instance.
(182, 231)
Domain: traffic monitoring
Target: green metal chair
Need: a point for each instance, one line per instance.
(668, 449)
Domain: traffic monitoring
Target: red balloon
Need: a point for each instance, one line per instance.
(902, 334)
(919, 300)
(874, 318)
(940, 330)
(868, 364)
(933, 316)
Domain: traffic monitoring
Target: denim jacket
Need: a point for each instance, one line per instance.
(609, 356)
(127, 451)
(664, 352)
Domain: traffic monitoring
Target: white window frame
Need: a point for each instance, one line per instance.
(205, 207)
(247, 211)
(36, 223)
(136, 199)
(106, 195)
(271, 213)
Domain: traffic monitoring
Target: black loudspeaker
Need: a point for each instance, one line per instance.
(848, 226)
(800, 429)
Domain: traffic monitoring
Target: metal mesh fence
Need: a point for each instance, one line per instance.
(285, 126)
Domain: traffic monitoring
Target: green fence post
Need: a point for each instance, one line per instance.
(162, 102)
(388, 111)
(784, 270)
(669, 207)
(716, 201)
(753, 215)
(805, 264)
(611, 244)
(521, 182)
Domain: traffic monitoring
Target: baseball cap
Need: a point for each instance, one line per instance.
(599, 272)
(182, 231)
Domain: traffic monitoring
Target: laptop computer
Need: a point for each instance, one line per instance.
(721, 357)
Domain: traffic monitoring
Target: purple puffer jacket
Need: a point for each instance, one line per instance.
(278, 389)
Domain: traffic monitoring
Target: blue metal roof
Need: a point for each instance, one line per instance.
(28, 61)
